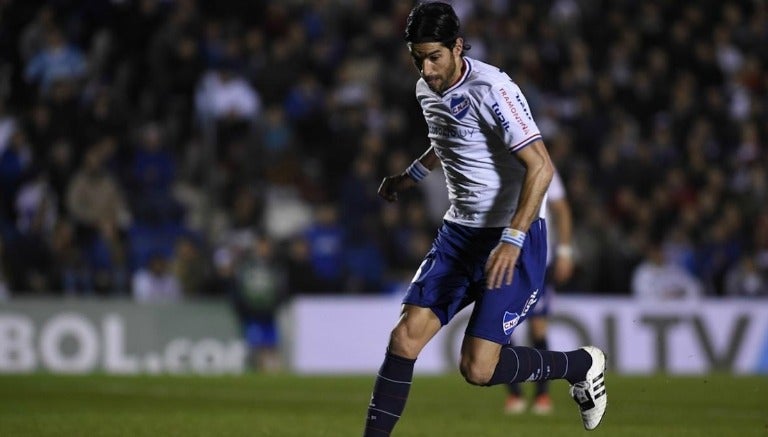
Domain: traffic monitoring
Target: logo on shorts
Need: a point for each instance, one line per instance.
(510, 321)
(459, 106)
(531, 301)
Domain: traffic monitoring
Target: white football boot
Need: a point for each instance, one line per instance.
(590, 394)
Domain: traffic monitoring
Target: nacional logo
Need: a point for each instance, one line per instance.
(510, 321)
(459, 106)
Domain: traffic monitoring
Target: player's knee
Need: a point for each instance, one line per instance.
(476, 373)
(403, 344)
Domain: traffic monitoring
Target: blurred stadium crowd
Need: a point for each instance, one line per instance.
(173, 148)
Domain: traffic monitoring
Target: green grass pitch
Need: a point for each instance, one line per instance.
(288, 406)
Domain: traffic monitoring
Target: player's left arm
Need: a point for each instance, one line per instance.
(539, 170)
(506, 111)
(538, 174)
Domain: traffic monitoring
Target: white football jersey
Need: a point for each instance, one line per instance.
(475, 127)
(555, 192)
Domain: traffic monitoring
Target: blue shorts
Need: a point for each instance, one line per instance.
(541, 309)
(261, 333)
(452, 276)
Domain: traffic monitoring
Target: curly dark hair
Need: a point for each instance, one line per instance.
(433, 22)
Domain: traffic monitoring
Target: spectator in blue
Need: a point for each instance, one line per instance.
(106, 258)
(153, 173)
(360, 206)
(58, 60)
(304, 106)
(364, 263)
(277, 137)
(305, 99)
(326, 239)
(15, 160)
(68, 271)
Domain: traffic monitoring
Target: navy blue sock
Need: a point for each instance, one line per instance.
(518, 364)
(513, 388)
(542, 385)
(389, 395)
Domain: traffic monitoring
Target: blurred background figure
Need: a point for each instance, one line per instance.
(745, 279)
(153, 174)
(56, 61)
(94, 195)
(190, 267)
(226, 98)
(656, 279)
(5, 293)
(156, 283)
(325, 240)
(560, 267)
(261, 288)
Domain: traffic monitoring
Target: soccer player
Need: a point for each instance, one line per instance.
(559, 238)
(491, 248)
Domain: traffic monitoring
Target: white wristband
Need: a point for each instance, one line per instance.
(513, 236)
(417, 171)
(564, 250)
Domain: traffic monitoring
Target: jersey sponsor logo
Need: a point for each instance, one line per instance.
(463, 215)
(513, 110)
(523, 105)
(459, 106)
(531, 301)
(449, 132)
(502, 120)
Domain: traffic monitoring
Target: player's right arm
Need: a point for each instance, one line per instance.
(419, 169)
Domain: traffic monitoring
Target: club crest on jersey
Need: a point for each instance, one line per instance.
(510, 321)
(459, 106)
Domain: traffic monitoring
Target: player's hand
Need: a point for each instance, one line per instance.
(500, 267)
(391, 185)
